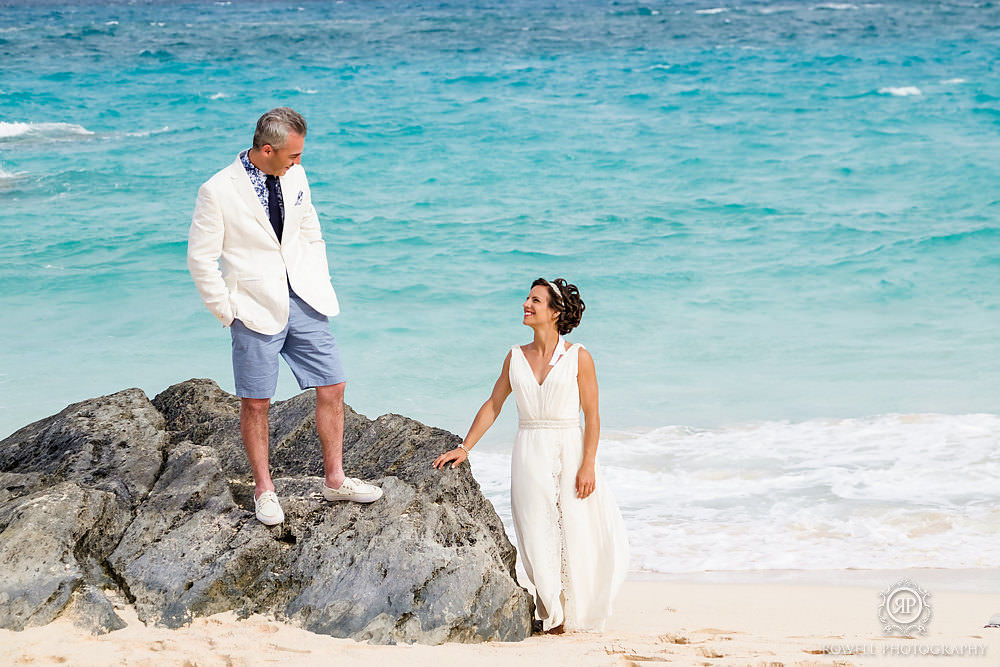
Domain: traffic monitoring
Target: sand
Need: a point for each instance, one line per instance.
(765, 620)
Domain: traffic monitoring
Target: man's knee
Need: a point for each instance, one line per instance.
(331, 393)
(254, 407)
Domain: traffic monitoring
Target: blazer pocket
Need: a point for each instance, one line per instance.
(249, 283)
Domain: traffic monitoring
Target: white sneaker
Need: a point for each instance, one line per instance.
(268, 509)
(353, 489)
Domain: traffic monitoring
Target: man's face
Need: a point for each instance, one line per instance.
(277, 161)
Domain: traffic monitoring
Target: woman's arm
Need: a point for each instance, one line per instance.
(487, 414)
(586, 477)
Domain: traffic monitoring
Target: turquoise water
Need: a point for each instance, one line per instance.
(776, 212)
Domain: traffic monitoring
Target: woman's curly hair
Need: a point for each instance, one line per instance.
(566, 301)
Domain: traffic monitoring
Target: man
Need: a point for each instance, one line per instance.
(257, 256)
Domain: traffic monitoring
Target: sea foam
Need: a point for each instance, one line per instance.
(16, 130)
(768, 242)
(148, 133)
(891, 491)
(900, 91)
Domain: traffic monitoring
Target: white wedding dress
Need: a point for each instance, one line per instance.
(574, 551)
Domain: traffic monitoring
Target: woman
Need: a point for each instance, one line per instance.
(569, 530)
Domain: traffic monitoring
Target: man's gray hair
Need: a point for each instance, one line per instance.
(274, 127)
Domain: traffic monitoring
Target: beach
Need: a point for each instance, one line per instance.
(782, 217)
(788, 621)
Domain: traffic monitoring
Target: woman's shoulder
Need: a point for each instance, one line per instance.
(583, 353)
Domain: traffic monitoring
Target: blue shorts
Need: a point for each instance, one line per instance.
(306, 344)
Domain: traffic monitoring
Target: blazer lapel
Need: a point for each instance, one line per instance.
(289, 192)
(241, 181)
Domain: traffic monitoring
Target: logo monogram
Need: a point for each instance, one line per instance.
(904, 609)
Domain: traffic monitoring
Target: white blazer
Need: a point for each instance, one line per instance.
(238, 265)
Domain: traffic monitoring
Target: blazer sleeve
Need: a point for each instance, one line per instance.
(205, 240)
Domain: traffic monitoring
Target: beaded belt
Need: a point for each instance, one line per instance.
(549, 423)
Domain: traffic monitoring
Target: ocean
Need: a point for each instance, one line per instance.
(783, 217)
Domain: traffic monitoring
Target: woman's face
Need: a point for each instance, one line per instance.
(537, 312)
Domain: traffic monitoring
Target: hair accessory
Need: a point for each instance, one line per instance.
(555, 288)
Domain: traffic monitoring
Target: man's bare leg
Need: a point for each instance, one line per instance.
(330, 427)
(254, 430)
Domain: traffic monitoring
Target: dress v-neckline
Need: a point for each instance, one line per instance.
(552, 369)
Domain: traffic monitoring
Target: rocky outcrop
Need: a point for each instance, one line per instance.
(123, 498)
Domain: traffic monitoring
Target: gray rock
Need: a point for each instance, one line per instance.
(91, 609)
(153, 502)
(114, 443)
(69, 487)
(53, 542)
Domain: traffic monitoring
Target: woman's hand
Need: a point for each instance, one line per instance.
(586, 481)
(456, 455)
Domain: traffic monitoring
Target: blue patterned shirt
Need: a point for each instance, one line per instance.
(257, 180)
